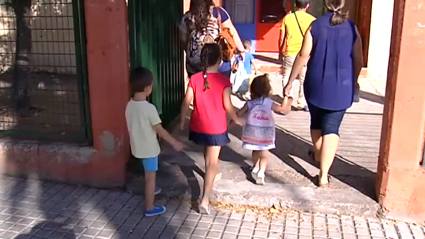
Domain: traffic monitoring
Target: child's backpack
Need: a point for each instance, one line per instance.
(260, 127)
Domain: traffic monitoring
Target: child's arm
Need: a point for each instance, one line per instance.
(285, 107)
(155, 121)
(177, 145)
(229, 106)
(242, 111)
(185, 105)
(254, 65)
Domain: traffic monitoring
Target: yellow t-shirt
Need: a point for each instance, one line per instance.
(141, 116)
(294, 38)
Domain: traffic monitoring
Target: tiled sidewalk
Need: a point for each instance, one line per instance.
(30, 209)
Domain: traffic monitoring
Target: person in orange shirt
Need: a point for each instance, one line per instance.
(294, 26)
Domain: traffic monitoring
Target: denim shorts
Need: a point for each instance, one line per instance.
(327, 121)
(150, 164)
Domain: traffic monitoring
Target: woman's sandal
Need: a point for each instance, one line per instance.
(322, 185)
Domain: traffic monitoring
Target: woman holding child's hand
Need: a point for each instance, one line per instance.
(335, 61)
(210, 92)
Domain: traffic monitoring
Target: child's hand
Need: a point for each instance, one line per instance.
(178, 146)
(240, 121)
(232, 123)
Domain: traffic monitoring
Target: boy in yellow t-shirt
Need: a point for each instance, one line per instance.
(293, 28)
(144, 125)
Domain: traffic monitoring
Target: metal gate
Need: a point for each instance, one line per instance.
(154, 44)
(43, 80)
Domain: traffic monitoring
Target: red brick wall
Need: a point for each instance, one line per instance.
(102, 165)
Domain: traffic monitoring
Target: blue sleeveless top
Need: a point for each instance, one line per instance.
(329, 82)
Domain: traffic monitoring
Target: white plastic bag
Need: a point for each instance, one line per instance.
(240, 79)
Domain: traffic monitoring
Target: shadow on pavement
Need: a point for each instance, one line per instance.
(267, 59)
(31, 208)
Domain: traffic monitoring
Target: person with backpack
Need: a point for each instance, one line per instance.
(259, 131)
(293, 29)
(206, 23)
(210, 92)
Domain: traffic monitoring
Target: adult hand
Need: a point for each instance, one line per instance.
(287, 90)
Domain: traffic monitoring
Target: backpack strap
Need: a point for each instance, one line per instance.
(298, 22)
(219, 18)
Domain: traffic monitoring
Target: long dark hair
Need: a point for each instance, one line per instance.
(200, 10)
(210, 55)
(335, 6)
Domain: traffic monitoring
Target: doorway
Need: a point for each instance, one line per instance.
(269, 19)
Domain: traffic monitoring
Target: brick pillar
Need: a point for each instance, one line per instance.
(401, 178)
(108, 72)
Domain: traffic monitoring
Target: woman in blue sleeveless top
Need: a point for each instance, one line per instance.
(332, 46)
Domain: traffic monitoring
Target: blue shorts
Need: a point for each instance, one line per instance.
(150, 164)
(327, 121)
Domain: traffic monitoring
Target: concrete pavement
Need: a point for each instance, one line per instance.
(291, 174)
(33, 209)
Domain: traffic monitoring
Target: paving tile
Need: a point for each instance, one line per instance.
(200, 232)
(231, 229)
(214, 234)
(108, 215)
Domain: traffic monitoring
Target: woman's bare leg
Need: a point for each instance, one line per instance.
(327, 154)
(211, 154)
(316, 137)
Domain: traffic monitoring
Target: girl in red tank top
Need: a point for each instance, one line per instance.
(210, 92)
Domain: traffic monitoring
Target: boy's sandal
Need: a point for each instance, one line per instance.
(322, 185)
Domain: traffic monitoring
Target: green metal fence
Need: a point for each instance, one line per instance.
(43, 85)
(154, 44)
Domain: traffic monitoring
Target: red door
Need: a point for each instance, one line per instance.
(269, 18)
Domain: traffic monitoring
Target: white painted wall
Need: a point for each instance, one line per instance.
(380, 38)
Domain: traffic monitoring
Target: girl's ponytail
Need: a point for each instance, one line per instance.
(210, 55)
(206, 83)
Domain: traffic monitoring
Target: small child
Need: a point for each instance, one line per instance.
(143, 125)
(259, 132)
(249, 64)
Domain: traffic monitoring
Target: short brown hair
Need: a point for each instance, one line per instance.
(140, 78)
(260, 87)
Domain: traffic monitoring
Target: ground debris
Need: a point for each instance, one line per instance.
(268, 212)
